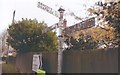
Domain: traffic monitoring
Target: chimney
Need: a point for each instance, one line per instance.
(64, 23)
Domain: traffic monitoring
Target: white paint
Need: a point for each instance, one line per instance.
(36, 62)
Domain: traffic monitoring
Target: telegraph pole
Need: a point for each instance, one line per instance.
(13, 17)
(60, 39)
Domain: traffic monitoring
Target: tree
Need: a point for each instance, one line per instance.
(92, 38)
(107, 31)
(81, 41)
(3, 38)
(103, 36)
(113, 18)
(26, 36)
(108, 14)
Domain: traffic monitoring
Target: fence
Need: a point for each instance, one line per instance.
(94, 61)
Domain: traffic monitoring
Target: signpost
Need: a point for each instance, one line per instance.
(62, 30)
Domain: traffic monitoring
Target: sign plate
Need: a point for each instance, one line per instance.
(80, 26)
(36, 62)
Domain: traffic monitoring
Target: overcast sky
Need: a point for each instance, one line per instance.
(28, 9)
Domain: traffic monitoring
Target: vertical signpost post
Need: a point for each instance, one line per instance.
(59, 26)
(60, 37)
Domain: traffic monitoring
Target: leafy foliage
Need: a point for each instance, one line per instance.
(91, 38)
(108, 14)
(103, 36)
(106, 33)
(26, 36)
(82, 42)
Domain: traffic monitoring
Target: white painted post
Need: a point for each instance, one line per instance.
(60, 46)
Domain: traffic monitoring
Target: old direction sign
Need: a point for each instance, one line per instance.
(80, 26)
(50, 28)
